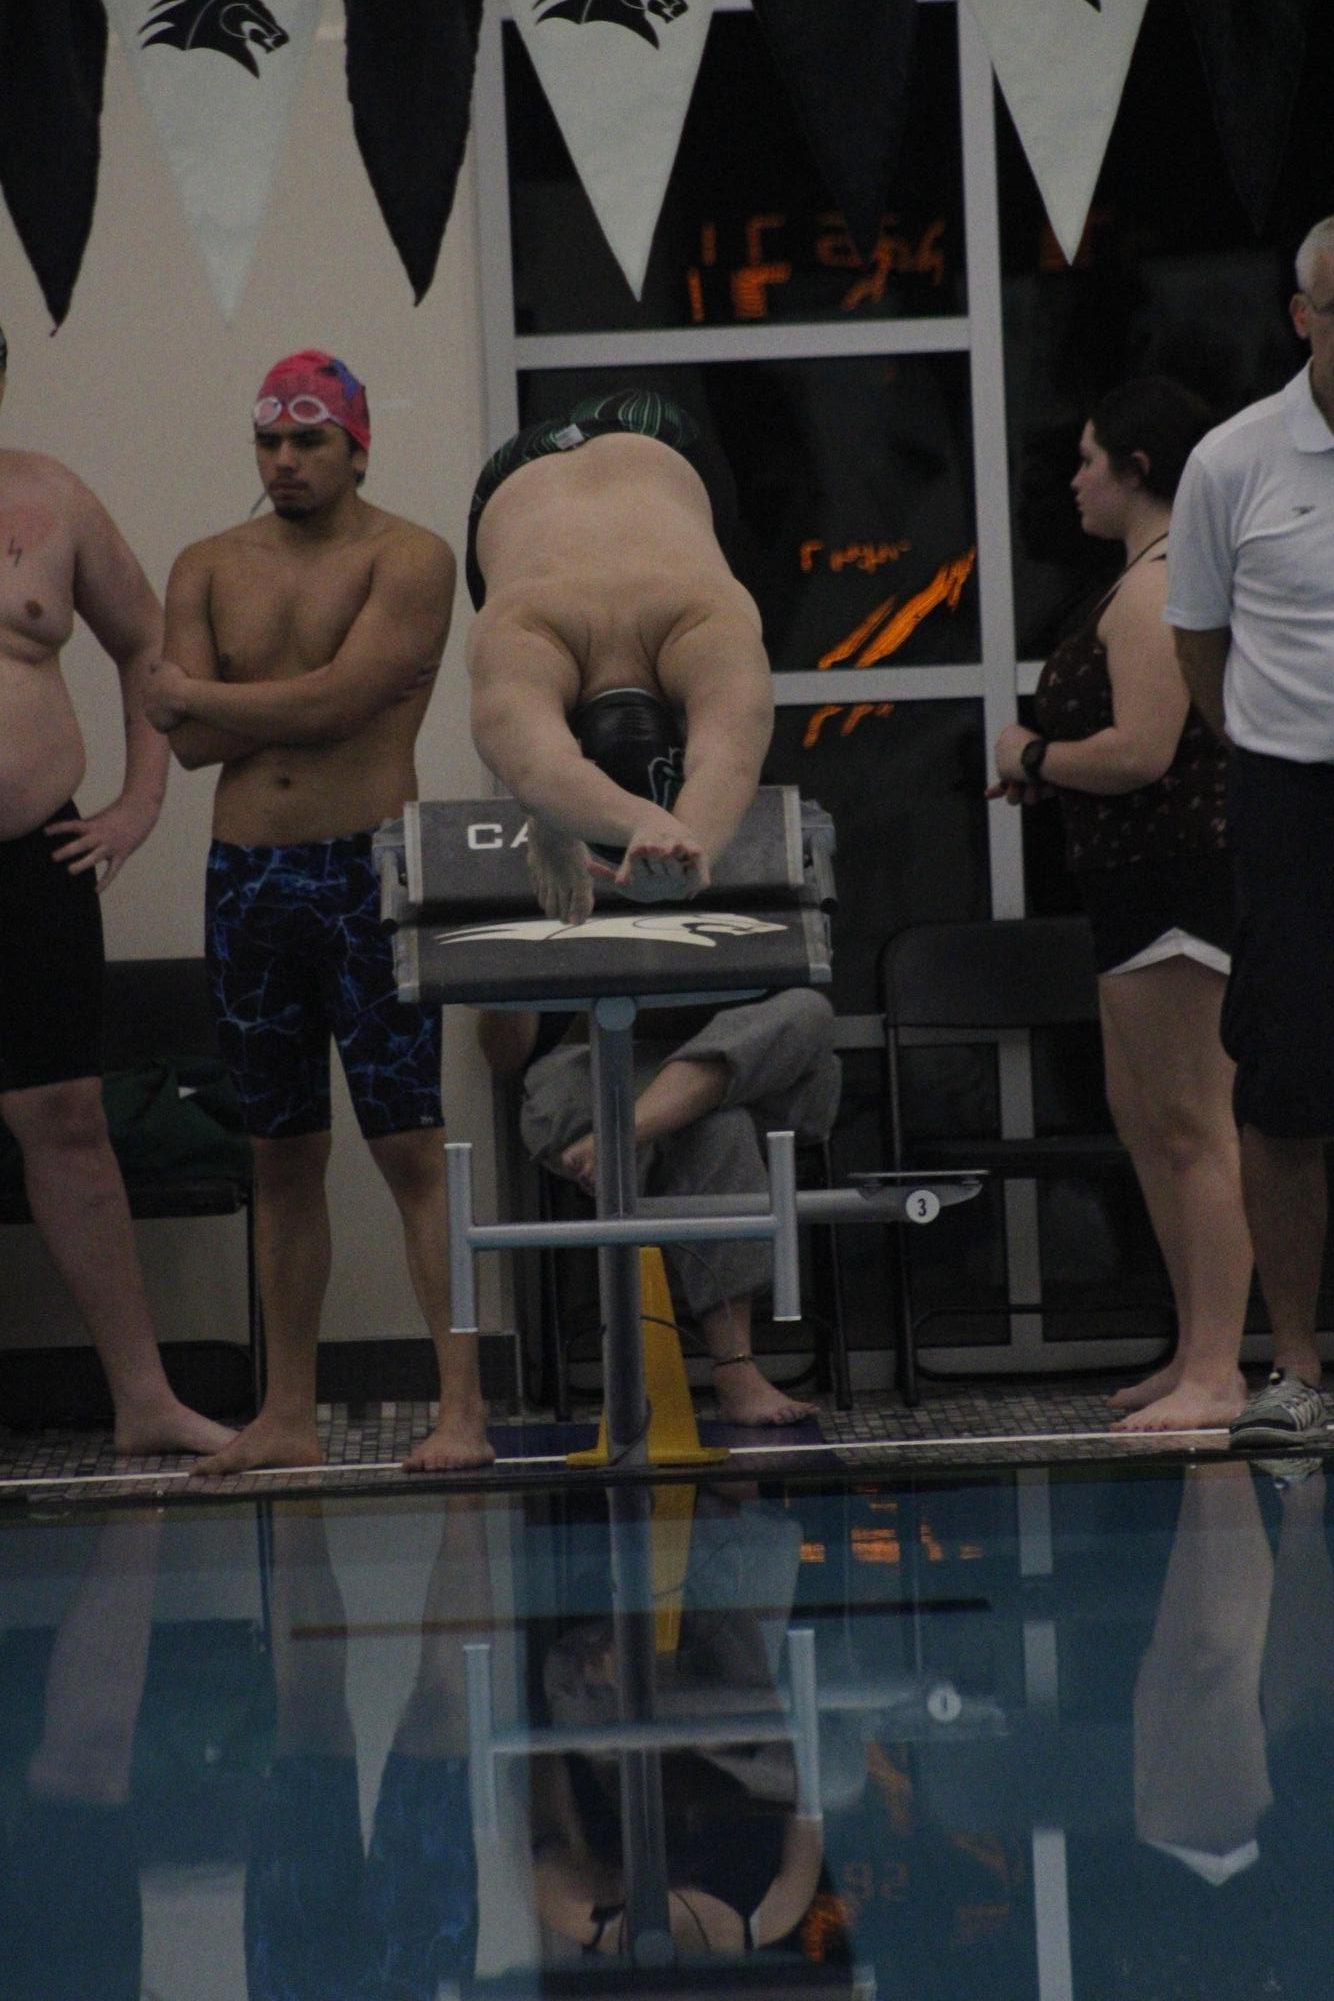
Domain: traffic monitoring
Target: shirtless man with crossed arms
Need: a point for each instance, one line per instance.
(61, 553)
(308, 643)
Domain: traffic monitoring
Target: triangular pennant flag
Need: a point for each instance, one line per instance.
(1253, 62)
(220, 78)
(618, 75)
(409, 78)
(1062, 65)
(847, 65)
(52, 64)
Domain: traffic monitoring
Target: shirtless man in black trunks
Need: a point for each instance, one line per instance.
(309, 642)
(593, 556)
(60, 552)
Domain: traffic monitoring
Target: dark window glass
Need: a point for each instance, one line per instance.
(854, 480)
(905, 792)
(1170, 278)
(748, 233)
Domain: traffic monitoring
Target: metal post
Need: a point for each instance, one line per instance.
(481, 1756)
(783, 1195)
(805, 1721)
(643, 1833)
(462, 1274)
(625, 1399)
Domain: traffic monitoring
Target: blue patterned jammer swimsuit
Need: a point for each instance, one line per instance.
(296, 954)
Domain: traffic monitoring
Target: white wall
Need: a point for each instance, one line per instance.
(146, 394)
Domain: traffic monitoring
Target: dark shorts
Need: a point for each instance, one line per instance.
(1278, 1017)
(296, 954)
(642, 411)
(1129, 907)
(51, 959)
(325, 1922)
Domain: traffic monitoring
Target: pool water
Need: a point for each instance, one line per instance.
(1074, 1739)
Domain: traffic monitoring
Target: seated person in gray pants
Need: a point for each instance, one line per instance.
(703, 1103)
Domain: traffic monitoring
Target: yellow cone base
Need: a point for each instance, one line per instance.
(673, 1435)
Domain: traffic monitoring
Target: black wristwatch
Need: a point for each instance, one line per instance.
(1031, 757)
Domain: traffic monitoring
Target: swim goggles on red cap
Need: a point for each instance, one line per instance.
(301, 408)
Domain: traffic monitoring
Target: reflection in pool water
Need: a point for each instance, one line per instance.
(1051, 1734)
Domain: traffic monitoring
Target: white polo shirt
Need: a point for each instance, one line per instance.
(1252, 548)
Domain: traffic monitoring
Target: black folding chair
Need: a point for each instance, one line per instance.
(977, 983)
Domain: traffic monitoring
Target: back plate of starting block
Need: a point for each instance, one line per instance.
(465, 856)
(636, 949)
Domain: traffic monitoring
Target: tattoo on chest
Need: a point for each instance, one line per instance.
(14, 549)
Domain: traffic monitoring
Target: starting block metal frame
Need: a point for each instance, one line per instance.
(456, 891)
(620, 1228)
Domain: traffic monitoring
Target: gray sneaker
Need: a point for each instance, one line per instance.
(1286, 1411)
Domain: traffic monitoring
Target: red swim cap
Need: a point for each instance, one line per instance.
(321, 380)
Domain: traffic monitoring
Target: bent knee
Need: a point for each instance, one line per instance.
(412, 1163)
(805, 1015)
(58, 1118)
(1184, 1139)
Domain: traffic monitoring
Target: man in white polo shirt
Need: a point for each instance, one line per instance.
(1251, 595)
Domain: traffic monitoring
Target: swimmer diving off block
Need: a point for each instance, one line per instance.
(618, 668)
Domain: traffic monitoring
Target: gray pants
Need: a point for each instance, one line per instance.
(782, 1075)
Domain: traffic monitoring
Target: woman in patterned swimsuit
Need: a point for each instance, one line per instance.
(1140, 781)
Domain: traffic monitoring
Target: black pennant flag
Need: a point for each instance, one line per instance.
(409, 77)
(847, 65)
(52, 66)
(1252, 51)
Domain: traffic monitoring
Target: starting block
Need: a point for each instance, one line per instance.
(456, 892)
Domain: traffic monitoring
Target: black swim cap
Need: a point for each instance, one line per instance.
(635, 739)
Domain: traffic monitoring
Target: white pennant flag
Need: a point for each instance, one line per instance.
(1062, 66)
(618, 75)
(220, 78)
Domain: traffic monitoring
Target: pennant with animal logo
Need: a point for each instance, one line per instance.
(1061, 66)
(619, 76)
(220, 78)
(52, 64)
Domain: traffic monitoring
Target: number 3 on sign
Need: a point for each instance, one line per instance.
(922, 1206)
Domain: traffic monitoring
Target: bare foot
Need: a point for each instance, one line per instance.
(268, 1441)
(1188, 1408)
(558, 866)
(458, 1440)
(1136, 1395)
(168, 1427)
(747, 1397)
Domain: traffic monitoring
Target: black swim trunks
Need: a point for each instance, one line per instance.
(51, 958)
(1278, 1015)
(297, 953)
(642, 411)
